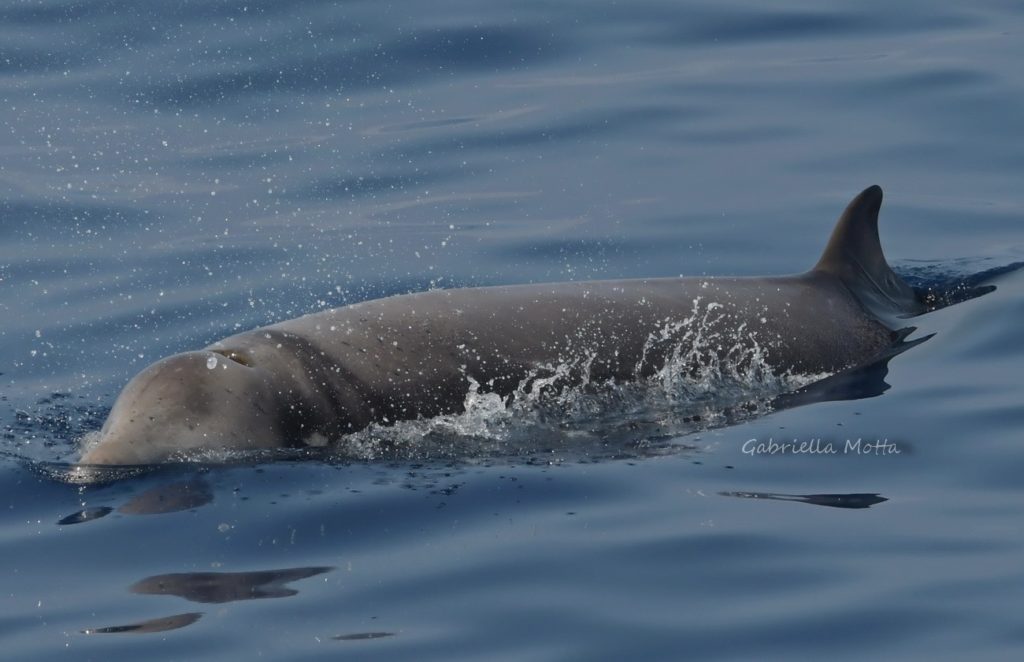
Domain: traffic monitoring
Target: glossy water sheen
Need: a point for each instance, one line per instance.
(171, 173)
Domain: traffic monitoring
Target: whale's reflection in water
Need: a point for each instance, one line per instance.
(362, 636)
(159, 500)
(169, 498)
(162, 624)
(210, 588)
(85, 515)
(855, 500)
(220, 587)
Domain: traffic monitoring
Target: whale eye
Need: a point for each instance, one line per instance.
(241, 358)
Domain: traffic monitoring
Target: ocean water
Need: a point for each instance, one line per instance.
(174, 173)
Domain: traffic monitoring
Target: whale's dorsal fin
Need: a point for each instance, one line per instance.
(854, 255)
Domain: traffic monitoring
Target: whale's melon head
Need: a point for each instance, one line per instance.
(195, 400)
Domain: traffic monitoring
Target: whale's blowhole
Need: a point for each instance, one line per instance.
(237, 356)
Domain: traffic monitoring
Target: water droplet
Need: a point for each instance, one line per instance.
(211, 362)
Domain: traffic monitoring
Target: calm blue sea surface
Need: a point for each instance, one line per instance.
(172, 173)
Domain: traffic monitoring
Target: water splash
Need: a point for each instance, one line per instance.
(691, 377)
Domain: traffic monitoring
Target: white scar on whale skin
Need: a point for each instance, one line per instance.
(440, 354)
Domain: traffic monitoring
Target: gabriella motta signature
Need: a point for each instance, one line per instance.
(820, 446)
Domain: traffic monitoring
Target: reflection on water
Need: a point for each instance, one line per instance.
(215, 588)
(86, 515)
(857, 500)
(220, 587)
(153, 625)
(362, 636)
(169, 498)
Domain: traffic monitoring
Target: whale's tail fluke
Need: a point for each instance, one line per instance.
(854, 255)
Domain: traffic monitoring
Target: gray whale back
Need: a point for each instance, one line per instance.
(312, 379)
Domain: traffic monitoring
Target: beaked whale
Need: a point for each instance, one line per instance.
(313, 379)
